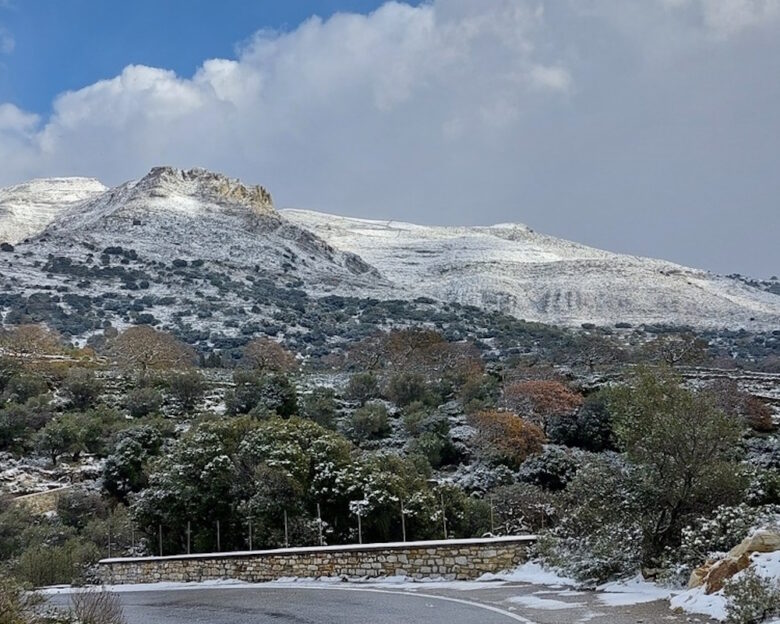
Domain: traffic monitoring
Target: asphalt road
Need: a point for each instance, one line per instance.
(490, 604)
(298, 606)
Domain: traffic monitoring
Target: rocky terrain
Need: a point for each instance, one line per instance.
(209, 257)
(26, 209)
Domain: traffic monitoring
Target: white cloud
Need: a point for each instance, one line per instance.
(453, 63)
(13, 119)
(568, 115)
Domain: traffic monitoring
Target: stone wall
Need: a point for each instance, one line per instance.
(41, 502)
(451, 560)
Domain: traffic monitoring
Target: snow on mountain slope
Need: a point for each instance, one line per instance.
(187, 249)
(208, 255)
(26, 209)
(511, 268)
(174, 214)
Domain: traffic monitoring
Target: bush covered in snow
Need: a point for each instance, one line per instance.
(751, 598)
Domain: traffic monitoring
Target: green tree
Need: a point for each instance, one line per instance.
(687, 450)
(81, 388)
(187, 388)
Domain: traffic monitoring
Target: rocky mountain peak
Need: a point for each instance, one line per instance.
(214, 187)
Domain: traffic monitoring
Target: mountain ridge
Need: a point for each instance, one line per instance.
(172, 221)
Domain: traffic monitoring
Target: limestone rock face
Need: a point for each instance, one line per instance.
(765, 540)
(714, 574)
(722, 571)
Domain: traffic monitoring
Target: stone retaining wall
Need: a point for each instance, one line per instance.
(41, 502)
(451, 560)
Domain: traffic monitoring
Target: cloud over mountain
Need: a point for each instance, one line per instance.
(601, 120)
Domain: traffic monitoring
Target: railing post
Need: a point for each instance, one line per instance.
(219, 544)
(319, 522)
(360, 529)
(443, 514)
(403, 521)
(492, 525)
(250, 533)
(189, 535)
(159, 538)
(286, 531)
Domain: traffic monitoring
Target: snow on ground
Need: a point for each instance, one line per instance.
(714, 605)
(634, 591)
(26, 209)
(513, 269)
(532, 573)
(545, 604)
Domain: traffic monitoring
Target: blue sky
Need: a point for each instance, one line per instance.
(641, 126)
(66, 44)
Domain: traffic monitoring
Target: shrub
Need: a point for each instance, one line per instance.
(433, 447)
(187, 389)
(589, 428)
(505, 438)
(406, 388)
(42, 565)
(18, 606)
(539, 399)
(320, 406)
(81, 388)
(273, 392)
(143, 401)
(125, 468)
(478, 393)
(368, 422)
(9, 368)
(551, 470)
(751, 598)
(715, 534)
(522, 508)
(24, 386)
(362, 387)
(76, 506)
(19, 422)
(97, 606)
(601, 528)
(76, 433)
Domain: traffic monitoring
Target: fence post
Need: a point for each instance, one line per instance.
(109, 535)
(403, 520)
(286, 531)
(492, 525)
(319, 522)
(250, 533)
(219, 544)
(189, 536)
(443, 514)
(360, 529)
(159, 538)
(132, 538)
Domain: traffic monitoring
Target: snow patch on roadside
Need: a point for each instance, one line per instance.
(696, 600)
(545, 604)
(634, 591)
(533, 573)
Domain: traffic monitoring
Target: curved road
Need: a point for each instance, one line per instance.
(269, 605)
(460, 603)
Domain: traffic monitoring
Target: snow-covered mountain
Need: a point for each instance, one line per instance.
(212, 258)
(511, 268)
(26, 209)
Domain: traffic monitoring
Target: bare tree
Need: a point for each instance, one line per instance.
(267, 355)
(29, 341)
(143, 348)
(677, 349)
